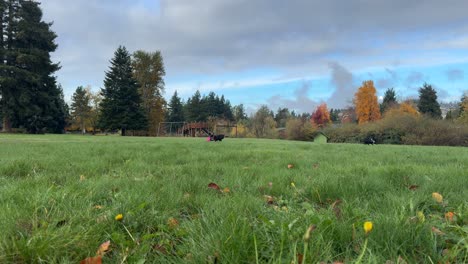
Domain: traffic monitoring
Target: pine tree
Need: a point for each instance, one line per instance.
(389, 100)
(121, 103)
(428, 104)
(176, 109)
(30, 94)
(81, 108)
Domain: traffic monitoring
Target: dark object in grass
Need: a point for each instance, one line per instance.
(212, 136)
(369, 141)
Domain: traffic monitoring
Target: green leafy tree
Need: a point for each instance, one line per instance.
(263, 124)
(81, 108)
(175, 109)
(389, 100)
(148, 70)
(121, 103)
(428, 104)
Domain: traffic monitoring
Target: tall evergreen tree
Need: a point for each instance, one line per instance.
(121, 103)
(194, 107)
(428, 102)
(176, 109)
(148, 70)
(31, 97)
(239, 112)
(389, 100)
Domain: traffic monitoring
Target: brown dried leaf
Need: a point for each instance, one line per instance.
(316, 165)
(269, 199)
(103, 248)
(214, 186)
(437, 231)
(290, 166)
(413, 187)
(160, 248)
(92, 260)
(172, 223)
(300, 258)
(98, 207)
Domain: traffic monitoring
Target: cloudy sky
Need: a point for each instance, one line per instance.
(293, 53)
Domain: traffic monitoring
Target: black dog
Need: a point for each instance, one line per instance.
(216, 137)
(369, 141)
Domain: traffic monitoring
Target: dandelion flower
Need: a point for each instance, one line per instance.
(368, 227)
(437, 197)
(119, 217)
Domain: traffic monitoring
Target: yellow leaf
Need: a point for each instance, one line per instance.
(82, 177)
(437, 197)
(226, 190)
(421, 216)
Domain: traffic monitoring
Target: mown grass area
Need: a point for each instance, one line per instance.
(59, 196)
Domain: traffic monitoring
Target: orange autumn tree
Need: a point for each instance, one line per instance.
(321, 116)
(404, 108)
(367, 106)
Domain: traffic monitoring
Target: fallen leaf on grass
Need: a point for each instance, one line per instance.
(290, 166)
(92, 260)
(98, 207)
(214, 186)
(316, 165)
(413, 187)
(160, 248)
(300, 258)
(449, 216)
(226, 190)
(103, 248)
(172, 223)
(437, 231)
(269, 199)
(437, 197)
(82, 178)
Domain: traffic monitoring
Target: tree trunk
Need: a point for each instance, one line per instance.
(6, 124)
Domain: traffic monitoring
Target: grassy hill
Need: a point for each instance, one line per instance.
(59, 196)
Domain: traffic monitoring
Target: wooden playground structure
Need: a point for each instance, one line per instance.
(195, 129)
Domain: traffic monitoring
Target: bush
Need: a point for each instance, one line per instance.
(403, 129)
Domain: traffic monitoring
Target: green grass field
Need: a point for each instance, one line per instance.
(59, 196)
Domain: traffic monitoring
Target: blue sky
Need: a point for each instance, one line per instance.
(292, 54)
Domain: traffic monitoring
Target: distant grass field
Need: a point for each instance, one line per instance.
(59, 196)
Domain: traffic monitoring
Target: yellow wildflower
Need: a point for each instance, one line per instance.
(367, 227)
(119, 217)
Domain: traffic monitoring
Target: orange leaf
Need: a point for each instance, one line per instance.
(290, 166)
(449, 216)
(214, 186)
(92, 260)
(226, 190)
(103, 248)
